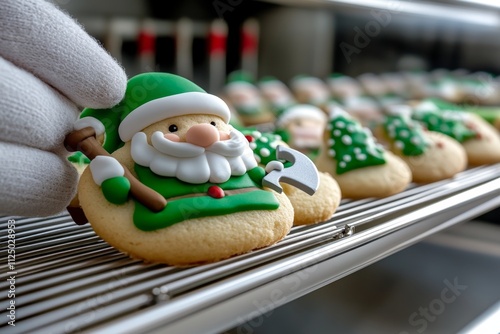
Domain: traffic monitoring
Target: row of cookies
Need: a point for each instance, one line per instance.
(171, 181)
(454, 140)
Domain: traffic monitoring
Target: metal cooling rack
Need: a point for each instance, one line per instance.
(69, 280)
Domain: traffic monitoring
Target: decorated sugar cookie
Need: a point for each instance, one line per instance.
(343, 86)
(307, 209)
(480, 139)
(302, 125)
(245, 98)
(181, 186)
(310, 90)
(431, 156)
(276, 93)
(360, 165)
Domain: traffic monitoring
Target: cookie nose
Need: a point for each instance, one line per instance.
(202, 135)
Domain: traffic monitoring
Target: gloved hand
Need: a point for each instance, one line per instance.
(49, 68)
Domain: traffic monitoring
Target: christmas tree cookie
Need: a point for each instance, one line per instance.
(480, 139)
(430, 155)
(307, 209)
(360, 165)
(173, 182)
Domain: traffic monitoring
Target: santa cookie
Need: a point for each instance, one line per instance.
(245, 98)
(181, 186)
(276, 94)
(431, 156)
(480, 139)
(307, 209)
(361, 167)
(310, 90)
(302, 127)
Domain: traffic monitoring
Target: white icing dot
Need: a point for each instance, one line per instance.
(399, 144)
(274, 144)
(357, 150)
(346, 140)
(351, 128)
(361, 156)
(433, 120)
(257, 158)
(342, 164)
(329, 126)
(253, 146)
(340, 124)
(404, 133)
(368, 132)
(264, 152)
(263, 139)
(415, 140)
(444, 128)
(336, 132)
(346, 158)
(331, 141)
(331, 153)
(277, 137)
(256, 134)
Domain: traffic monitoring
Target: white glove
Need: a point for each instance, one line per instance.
(49, 67)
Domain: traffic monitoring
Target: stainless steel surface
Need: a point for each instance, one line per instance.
(70, 280)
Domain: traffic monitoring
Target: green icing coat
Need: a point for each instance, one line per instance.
(183, 206)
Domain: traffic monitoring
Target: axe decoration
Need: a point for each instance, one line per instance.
(302, 174)
(84, 141)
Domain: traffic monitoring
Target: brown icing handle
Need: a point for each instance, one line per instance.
(84, 141)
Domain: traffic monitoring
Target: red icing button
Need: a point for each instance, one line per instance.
(249, 138)
(440, 144)
(215, 192)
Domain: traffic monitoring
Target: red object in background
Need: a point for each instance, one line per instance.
(146, 43)
(249, 42)
(217, 43)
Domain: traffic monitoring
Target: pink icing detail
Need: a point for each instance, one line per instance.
(202, 135)
(224, 135)
(172, 137)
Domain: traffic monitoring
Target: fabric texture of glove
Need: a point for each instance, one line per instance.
(49, 69)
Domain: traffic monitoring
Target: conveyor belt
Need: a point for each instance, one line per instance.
(69, 280)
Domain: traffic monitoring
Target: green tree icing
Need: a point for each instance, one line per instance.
(450, 123)
(406, 134)
(351, 145)
(263, 145)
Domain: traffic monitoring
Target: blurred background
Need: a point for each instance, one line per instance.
(206, 40)
(314, 37)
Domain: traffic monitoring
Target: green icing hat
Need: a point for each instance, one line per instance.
(150, 98)
(240, 76)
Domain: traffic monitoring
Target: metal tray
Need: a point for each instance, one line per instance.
(69, 280)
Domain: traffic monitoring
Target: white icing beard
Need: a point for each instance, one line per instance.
(191, 163)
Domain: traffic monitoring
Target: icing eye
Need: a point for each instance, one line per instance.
(213, 123)
(173, 128)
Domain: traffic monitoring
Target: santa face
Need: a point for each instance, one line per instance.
(306, 133)
(193, 148)
(246, 99)
(277, 94)
(345, 87)
(312, 91)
